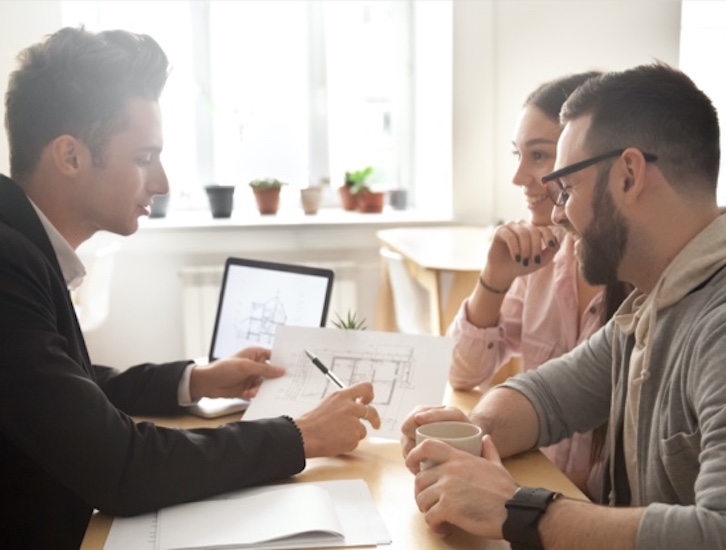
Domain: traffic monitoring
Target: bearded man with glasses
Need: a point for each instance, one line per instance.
(638, 164)
(602, 245)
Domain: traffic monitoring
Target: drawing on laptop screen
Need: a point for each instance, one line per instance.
(257, 296)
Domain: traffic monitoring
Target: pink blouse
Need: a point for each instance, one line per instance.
(538, 322)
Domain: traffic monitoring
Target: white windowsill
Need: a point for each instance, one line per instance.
(289, 232)
(202, 219)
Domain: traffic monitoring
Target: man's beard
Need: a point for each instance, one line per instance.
(602, 245)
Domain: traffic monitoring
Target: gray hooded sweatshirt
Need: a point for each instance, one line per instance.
(657, 373)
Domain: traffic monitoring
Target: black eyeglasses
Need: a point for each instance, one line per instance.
(559, 193)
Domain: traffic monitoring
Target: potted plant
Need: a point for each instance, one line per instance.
(353, 180)
(159, 206)
(267, 194)
(310, 198)
(398, 198)
(366, 199)
(221, 199)
(351, 322)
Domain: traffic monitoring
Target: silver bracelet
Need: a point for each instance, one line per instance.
(485, 286)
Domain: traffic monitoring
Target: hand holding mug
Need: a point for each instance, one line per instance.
(460, 435)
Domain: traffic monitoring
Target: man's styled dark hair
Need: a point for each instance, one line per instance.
(657, 109)
(78, 83)
(550, 96)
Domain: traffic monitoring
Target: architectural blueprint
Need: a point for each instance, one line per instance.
(406, 370)
(257, 298)
(259, 322)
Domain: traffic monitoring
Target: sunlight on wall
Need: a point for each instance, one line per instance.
(703, 47)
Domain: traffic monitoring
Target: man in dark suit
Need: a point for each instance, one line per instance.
(84, 129)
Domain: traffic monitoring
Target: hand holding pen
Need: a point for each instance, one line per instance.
(331, 376)
(325, 370)
(336, 425)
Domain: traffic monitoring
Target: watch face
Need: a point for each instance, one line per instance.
(528, 497)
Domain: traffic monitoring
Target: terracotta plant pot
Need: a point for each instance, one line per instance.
(370, 201)
(347, 198)
(268, 199)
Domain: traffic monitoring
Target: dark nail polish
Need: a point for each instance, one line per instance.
(525, 262)
(518, 258)
(537, 259)
(551, 244)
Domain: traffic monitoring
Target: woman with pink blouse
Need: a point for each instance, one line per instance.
(531, 300)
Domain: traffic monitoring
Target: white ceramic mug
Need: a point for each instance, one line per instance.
(461, 435)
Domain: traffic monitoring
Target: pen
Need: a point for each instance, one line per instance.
(325, 370)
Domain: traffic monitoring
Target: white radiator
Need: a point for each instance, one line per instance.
(200, 294)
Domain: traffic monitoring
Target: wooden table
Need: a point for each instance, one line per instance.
(433, 255)
(380, 464)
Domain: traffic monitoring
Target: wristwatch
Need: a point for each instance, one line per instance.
(524, 511)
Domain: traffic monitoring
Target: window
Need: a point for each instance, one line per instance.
(703, 41)
(291, 89)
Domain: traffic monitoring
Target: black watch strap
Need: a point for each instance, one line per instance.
(524, 511)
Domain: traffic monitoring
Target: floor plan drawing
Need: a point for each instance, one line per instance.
(391, 369)
(405, 370)
(259, 322)
(257, 297)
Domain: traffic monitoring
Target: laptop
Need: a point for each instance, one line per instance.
(255, 297)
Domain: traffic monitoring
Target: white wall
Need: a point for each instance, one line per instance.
(502, 49)
(21, 24)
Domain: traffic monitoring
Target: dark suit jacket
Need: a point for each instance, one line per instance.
(67, 445)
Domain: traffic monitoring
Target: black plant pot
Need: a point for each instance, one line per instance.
(221, 200)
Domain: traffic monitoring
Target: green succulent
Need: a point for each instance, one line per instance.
(351, 322)
(266, 183)
(357, 179)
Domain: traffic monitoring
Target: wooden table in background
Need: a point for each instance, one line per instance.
(432, 253)
(380, 464)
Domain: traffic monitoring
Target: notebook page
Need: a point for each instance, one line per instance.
(274, 515)
(137, 532)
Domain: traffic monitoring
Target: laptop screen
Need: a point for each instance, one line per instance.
(258, 296)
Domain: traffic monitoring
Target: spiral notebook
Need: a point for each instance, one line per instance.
(335, 513)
